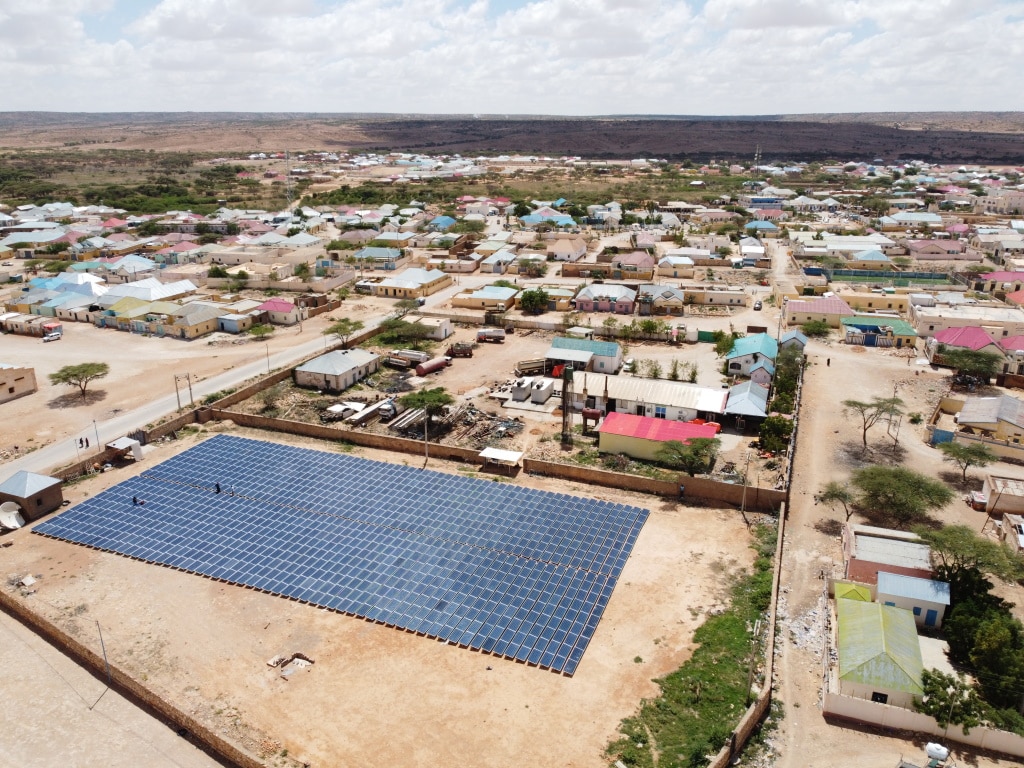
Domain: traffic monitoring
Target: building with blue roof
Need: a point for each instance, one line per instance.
(586, 354)
(761, 226)
(441, 223)
(927, 599)
(747, 351)
(374, 257)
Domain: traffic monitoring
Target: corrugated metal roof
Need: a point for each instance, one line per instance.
(338, 362)
(652, 391)
(916, 589)
(23, 484)
(847, 591)
(878, 647)
(599, 348)
(659, 430)
(885, 551)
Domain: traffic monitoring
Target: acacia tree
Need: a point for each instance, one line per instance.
(872, 411)
(835, 492)
(962, 559)
(534, 301)
(969, 362)
(80, 375)
(343, 329)
(898, 495)
(967, 456)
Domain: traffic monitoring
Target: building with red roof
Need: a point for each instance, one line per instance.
(827, 310)
(640, 437)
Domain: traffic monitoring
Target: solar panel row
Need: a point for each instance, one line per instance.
(510, 571)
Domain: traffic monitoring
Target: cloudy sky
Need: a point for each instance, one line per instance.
(568, 57)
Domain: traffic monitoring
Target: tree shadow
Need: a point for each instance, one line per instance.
(956, 479)
(829, 526)
(75, 399)
(853, 454)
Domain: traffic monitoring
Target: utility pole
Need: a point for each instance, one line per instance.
(743, 501)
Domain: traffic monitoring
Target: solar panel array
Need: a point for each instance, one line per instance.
(511, 571)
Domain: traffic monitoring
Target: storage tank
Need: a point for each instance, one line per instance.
(543, 389)
(431, 366)
(691, 335)
(521, 389)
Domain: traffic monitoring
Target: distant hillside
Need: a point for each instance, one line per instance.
(982, 137)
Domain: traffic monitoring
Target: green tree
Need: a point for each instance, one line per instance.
(898, 495)
(521, 209)
(696, 455)
(674, 370)
(653, 369)
(968, 455)
(968, 362)
(433, 401)
(397, 332)
(870, 412)
(261, 330)
(950, 700)
(534, 301)
(835, 492)
(343, 329)
(404, 306)
(775, 433)
(724, 342)
(302, 270)
(961, 556)
(816, 328)
(609, 324)
(217, 271)
(80, 375)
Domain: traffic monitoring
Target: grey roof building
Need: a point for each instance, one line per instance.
(37, 495)
(337, 371)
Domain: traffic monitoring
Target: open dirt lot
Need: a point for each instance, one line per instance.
(378, 696)
(829, 449)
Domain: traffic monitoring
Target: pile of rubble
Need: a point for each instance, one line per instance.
(480, 429)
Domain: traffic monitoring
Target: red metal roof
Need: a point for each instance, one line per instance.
(970, 337)
(660, 430)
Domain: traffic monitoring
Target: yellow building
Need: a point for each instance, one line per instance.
(875, 302)
(827, 310)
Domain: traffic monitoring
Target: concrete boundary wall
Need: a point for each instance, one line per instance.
(866, 711)
(131, 689)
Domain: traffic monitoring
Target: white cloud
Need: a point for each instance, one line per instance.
(545, 56)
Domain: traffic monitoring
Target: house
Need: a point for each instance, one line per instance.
(1004, 281)
(869, 550)
(641, 437)
(413, 284)
(762, 372)
(747, 351)
(940, 250)
(37, 495)
(375, 257)
(661, 300)
(606, 297)
(868, 259)
(1001, 418)
(878, 331)
(910, 220)
(1003, 495)
(926, 599)
(829, 310)
(441, 223)
(492, 297)
(1011, 532)
(16, 381)
(793, 338)
(282, 312)
(636, 264)
(660, 398)
(586, 354)
(676, 266)
(559, 298)
(970, 337)
(567, 249)
(1004, 320)
(878, 301)
(193, 320)
(440, 327)
(337, 371)
(747, 399)
(761, 227)
(879, 653)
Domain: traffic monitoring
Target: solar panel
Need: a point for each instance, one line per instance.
(511, 571)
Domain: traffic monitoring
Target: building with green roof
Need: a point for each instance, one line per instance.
(878, 331)
(846, 590)
(879, 653)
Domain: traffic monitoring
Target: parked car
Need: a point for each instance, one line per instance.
(52, 337)
(758, 305)
(628, 365)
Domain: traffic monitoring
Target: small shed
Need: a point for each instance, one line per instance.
(1003, 494)
(927, 599)
(1011, 531)
(37, 495)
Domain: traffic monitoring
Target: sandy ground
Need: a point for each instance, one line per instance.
(70, 718)
(378, 696)
(829, 449)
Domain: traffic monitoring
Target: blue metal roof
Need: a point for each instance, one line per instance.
(599, 348)
(913, 588)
